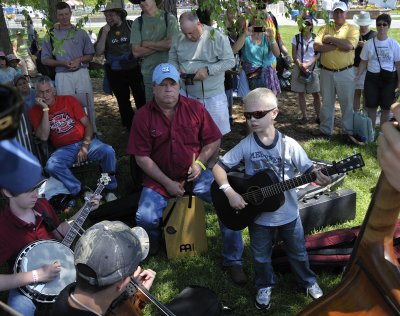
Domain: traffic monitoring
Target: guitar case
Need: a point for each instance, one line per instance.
(329, 208)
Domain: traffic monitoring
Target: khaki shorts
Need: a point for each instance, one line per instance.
(309, 87)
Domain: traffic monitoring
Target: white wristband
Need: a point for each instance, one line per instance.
(225, 187)
(35, 276)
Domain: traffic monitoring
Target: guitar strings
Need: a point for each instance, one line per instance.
(276, 188)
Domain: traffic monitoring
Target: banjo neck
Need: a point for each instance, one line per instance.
(78, 222)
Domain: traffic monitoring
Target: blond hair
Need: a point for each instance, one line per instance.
(261, 94)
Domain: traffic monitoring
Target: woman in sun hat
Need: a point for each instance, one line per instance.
(364, 21)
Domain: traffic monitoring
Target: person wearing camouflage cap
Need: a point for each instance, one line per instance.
(106, 257)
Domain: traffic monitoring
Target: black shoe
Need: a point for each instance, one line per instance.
(237, 274)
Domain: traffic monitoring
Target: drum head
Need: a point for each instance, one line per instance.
(44, 252)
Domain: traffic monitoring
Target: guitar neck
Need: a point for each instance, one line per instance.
(81, 218)
(287, 185)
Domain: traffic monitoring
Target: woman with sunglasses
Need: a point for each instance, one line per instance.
(381, 57)
(305, 76)
(259, 50)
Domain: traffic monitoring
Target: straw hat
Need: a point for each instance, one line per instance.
(362, 19)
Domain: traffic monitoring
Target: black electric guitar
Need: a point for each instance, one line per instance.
(264, 193)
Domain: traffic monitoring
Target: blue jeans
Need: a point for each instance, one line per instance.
(152, 205)
(64, 157)
(232, 249)
(292, 234)
(21, 303)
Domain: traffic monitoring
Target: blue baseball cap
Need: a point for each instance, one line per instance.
(163, 71)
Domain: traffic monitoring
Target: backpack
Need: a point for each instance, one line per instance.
(45, 70)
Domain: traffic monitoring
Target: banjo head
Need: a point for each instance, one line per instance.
(43, 252)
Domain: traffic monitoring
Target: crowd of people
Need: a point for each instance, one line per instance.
(176, 71)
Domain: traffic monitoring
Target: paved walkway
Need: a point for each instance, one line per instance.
(284, 21)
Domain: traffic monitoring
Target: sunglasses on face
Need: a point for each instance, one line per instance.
(256, 114)
(382, 24)
(307, 23)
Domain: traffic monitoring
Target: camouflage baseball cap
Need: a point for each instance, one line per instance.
(112, 250)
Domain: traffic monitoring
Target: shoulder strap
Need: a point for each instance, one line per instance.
(297, 41)
(51, 43)
(129, 24)
(283, 148)
(140, 18)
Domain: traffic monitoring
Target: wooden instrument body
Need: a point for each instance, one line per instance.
(371, 283)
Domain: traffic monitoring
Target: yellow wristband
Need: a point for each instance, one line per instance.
(85, 142)
(201, 164)
(45, 109)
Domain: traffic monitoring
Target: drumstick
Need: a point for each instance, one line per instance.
(9, 310)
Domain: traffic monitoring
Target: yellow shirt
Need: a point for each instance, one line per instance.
(338, 59)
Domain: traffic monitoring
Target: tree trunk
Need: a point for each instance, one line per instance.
(167, 5)
(52, 10)
(5, 43)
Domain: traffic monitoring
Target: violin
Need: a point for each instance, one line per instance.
(133, 300)
(371, 281)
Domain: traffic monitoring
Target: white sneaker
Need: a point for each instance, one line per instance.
(263, 298)
(110, 196)
(314, 291)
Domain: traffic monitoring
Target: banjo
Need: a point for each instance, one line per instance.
(41, 252)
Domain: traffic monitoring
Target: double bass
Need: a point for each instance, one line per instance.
(371, 281)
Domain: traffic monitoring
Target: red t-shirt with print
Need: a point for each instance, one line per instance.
(65, 125)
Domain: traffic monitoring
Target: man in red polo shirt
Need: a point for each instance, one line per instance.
(172, 139)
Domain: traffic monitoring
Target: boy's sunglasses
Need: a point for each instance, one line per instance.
(306, 23)
(256, 114)
(382, 24)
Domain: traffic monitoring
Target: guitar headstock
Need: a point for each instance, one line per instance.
(348, 164)
(104, 179)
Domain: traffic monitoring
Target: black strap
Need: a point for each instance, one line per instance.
(48, 221)
(377, 56)
(283, 148)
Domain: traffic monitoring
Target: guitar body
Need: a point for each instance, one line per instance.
(243, 184)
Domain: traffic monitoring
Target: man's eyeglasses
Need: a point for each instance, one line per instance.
(382, 24)
(256, 114)
(306, 23)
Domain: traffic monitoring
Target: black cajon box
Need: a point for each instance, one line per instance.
(327, 209)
